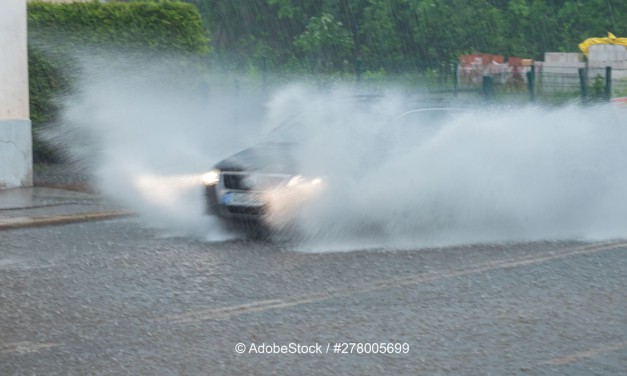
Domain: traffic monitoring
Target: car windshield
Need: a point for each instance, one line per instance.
(415, 126)
(404, 131)
(289, 131)
(336, 111)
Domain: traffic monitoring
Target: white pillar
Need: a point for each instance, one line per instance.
(16, 151)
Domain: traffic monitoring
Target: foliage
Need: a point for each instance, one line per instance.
(163, 26)
(597, 87)
(326, 40)
(408, 35)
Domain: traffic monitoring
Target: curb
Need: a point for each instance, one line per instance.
(22, 222)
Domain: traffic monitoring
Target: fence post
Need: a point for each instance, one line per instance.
(358, 68)
(583, 83)
(608, 83)
(455, 78)
(531, 83)
(487, 88)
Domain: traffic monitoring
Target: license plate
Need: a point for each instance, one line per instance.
(241, 199)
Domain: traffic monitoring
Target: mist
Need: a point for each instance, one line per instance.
(496, 174)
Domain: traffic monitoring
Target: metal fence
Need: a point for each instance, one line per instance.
(496, 81)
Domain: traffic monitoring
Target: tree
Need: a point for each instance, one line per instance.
(446, 29)
(326, 41)
(591, 18)
(532, 28)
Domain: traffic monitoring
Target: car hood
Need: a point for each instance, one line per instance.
(268, 157)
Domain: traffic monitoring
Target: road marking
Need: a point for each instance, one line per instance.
(25, 347)
(572, 358)
(266, 305)
(7, 263)
(248, 307)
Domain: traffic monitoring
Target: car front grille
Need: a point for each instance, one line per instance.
(247, 210)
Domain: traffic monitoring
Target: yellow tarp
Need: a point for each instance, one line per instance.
(611, 39)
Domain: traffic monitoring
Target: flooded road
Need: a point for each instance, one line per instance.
(116, 298)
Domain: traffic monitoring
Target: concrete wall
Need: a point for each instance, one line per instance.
(607, 55)
(560, 71)
(15, 127)
(16, 155)
(604, 55)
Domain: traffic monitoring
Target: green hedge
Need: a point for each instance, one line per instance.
(58, 33)
(163, 26)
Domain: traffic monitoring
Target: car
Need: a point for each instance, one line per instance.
(246, 188)
(259, 190)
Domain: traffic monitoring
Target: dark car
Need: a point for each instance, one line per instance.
(250, 189)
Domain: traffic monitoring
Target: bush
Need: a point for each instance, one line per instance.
(163, 26)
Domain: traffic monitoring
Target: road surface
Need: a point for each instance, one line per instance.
(115, 298)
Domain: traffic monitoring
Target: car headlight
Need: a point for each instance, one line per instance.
(299, 180)
(211, 178)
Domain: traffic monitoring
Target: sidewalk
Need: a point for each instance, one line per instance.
(40, 206)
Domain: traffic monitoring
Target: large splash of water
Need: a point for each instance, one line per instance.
(509, 174)
(503, 174)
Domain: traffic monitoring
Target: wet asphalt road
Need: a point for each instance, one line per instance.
(116, 298)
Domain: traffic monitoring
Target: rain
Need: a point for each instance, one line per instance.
(355, 187)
